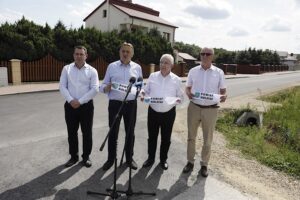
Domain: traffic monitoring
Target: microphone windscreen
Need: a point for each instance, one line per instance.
(139, 82)
(132, 80)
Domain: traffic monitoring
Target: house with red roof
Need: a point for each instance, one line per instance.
(124, 15)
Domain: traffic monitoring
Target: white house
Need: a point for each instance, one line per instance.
(125, 15)
(288, 59)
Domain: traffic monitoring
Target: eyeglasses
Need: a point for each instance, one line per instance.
(205, 54)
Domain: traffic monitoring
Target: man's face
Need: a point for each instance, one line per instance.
(206, 55)
(79, 55)
(165, 66)
(126, 53)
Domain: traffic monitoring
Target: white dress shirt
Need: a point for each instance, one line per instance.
(206, 81)
(81, 84)
(159, 86)
(120, 73)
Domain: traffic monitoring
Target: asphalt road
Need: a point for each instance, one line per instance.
(37, 116)
(33, 147)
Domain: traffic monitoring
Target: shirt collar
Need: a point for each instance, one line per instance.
(169, 75)
(84, 66)
(121, 64)
(212, 67)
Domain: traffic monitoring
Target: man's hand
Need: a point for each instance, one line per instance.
(107, 88)
(75, 103)
(188, 92)
(142, 95)
(223, 98)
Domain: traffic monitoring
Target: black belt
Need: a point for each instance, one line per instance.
(119, 101)
(209, 106)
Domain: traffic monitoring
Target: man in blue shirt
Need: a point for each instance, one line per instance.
(119, 73)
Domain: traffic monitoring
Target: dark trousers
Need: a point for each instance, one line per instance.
(164, 122)
(129, 116)
(82, 116)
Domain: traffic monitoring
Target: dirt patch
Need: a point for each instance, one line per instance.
(229, 165)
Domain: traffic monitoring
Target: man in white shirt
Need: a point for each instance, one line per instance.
(119, 73)
(205, 88)
(79, 84)
(164, 87)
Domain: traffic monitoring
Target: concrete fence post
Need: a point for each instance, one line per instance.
(152, 68)
(16, 71)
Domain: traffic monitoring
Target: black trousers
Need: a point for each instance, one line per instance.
(82, 116)
(164, 122)
(129, 116)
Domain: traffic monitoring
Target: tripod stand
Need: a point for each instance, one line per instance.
(129, 192)
(113, 193)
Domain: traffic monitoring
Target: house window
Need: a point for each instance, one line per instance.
(166, 36)
(104, 13)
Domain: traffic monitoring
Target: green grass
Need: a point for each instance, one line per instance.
(277, 143)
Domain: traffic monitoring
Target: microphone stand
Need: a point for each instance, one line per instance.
(113, 193)
(129, 191)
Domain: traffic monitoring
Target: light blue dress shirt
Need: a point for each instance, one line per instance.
(120, 73)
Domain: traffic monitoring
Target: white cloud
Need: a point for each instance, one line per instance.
(80, 10)
(209, 9)
(297, 3)
(10, 16)
(237, 32)
(276, 24)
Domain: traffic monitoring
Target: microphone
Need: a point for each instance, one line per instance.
(139, 82)
(138, 85)
(131, 82)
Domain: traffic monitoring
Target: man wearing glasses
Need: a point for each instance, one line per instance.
(205, 88)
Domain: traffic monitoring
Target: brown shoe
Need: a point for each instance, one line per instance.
(204, 171)
(188, 168)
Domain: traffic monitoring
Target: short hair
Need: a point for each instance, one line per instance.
(126, 44)
(212, 49)
(169, 57)
(80, 47)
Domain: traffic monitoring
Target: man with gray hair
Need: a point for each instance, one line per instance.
(163, 91)
(205, 88)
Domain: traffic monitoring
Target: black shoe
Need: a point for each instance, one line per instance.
(148, 163)
(87, 163)
(71, 162)
(133, 165)
(204, 171)
(164, 165)
(189, 167)
(107, 165)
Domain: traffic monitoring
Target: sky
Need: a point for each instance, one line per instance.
(228, 24)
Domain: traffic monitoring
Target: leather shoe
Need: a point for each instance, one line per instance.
(71, 162)
(148, 163)
(204, 171)
(189, 167)
(164, 165)
(133, 165)
(87, 163)
(107, 165)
